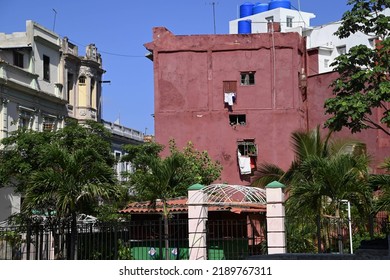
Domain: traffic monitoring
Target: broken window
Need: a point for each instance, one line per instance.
(247, 78)
(247, 156)
(247, 147)
(237, 119)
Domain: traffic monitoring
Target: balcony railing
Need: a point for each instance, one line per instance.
(123, 131)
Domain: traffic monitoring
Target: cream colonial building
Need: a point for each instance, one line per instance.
(43, 80)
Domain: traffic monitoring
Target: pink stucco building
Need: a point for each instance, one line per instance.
(240, 96)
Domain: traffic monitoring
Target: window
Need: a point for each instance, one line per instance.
(247, 147)
(82, 80)
(70, 87)
(48, 124)
(247, 78)
(247, 156)
(341, 50)
(25, 120)
(237, 120)
(326, 63)
(230, 92)
(289, 21)
(92, 92)
(46, 68)
(18, 59)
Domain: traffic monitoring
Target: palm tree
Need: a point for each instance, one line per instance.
(323, 173)
(68, 181)
(162, 182)
(320, 184)
(304, 144)
(382, 181)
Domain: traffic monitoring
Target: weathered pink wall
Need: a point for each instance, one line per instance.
(189, 106)
(189, 72)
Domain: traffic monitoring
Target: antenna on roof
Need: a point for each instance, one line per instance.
(55, 15)
(213, 4)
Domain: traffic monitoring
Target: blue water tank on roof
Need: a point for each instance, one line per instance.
(246, 9)
(274, 4)
(245, 26)
(259, 8)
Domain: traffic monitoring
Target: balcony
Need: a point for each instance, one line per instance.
(18, 76)
(123, 131)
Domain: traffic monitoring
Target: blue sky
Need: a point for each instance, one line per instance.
(119, 28)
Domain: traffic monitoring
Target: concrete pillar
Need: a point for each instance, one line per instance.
(3, 118)
(197, 219)
(276, 233)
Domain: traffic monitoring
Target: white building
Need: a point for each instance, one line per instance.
(320, 39)
(43, 80)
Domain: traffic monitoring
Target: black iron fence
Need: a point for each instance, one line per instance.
(135, 240)
(145, 240)
(331, 235)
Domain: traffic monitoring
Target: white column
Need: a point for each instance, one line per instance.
(276, 233)
(197, 219)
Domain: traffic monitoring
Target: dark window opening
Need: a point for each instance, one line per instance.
(92, 88)
(18, 59)
(237, 119)
(289, 21)
(247, 156)
(247, 78)
(70, 86)
(46, 68)
(82, 80)
(247, 148)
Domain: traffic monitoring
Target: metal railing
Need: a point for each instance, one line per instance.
(135, 240)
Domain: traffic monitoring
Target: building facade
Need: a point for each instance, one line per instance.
(237, 96)
(240, 96)
(43, 81)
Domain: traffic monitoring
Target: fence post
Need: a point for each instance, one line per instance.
(276, 233)
(197, 219)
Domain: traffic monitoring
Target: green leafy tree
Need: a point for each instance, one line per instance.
(363, 83)
(196, 166)
(64, 172)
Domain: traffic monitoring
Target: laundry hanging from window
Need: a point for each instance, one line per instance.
(244, 163)
(230, 98)
(230, 92)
